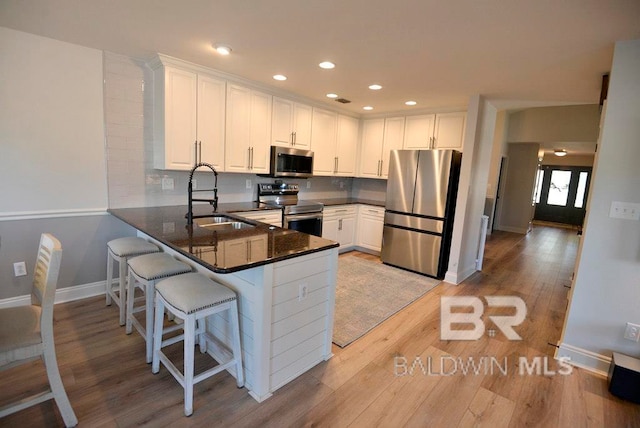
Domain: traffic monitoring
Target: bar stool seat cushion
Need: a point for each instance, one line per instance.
(193, 292)
(131, 246)
(151, 267)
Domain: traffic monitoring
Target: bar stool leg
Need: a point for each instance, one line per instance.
(237, 352)
(109, 283)
(131, 292)
(157, 336)
(189, 345)
(122, 265)
(150, 292)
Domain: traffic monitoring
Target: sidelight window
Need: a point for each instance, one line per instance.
(582, 187)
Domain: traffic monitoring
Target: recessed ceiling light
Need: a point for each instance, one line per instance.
(375, 87)
(223, 49)
(411, 103)
(560, 152)
(327, 65)
(332, 95)
(280, 77)
(367, 108)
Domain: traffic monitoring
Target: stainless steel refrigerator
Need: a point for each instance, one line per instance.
(420, 205)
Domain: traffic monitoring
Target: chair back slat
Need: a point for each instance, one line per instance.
(46, 273)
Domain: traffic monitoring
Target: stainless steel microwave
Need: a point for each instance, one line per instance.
(290, 162)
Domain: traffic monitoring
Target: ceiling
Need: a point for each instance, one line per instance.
(517, 53)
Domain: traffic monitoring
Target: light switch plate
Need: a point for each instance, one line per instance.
(625, 210)
(167, 183)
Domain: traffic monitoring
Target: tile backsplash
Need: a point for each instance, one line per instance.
(134, 182)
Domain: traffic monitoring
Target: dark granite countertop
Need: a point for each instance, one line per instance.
(222, 251)
(328, 202)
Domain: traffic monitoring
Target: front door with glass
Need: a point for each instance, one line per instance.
(561, 194)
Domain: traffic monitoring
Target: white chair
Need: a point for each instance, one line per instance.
(193, 297)
(120, 250)
(145, 271)
(26, 332)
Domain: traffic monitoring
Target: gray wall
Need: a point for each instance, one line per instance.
(606, 289)
(516, 209)
(555, 124)
(83, 242)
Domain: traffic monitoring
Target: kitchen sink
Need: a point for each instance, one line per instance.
(221, 223)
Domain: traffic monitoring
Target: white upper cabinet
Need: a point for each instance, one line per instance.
(189, 119)
(324, 131)
(291, 124)
(379, 137)
(435, 131)
(248, 130)
(449, 130)
(347, 146)
(418, 132)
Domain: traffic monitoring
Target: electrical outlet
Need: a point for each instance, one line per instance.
(167, 183)
(308, 184)
(303, 291)
(248, 184)
(342, 184)
(19, 269)
(168, 227)
(632, 332)
(194, 184)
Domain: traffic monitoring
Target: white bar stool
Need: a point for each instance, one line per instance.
(145, 271)
(120, 250)
(193, 297)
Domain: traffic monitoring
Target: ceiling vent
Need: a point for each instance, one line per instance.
(343, 100)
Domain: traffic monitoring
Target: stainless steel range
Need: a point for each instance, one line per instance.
(303, 216)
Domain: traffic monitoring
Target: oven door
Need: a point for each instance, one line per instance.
(306, 223)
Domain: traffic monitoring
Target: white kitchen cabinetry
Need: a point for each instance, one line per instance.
(379, 137)
(370, 225)
(291, 124)
(273, 217)
(324, 132)
(339, 224)
(248, 130)
(245, 250)
(189, 118)
(435, 131)
(335, 153)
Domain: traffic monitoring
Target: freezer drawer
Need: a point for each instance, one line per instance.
(413, 222)
(416, 251)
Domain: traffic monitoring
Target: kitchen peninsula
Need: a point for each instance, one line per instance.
(285, 280)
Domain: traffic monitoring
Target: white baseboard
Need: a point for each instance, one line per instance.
(456, 278)
(67, 294)
(596, 363)
(520, 230)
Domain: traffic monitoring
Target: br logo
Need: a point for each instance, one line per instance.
(504, 323)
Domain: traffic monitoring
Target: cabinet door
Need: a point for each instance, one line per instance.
(449, 130)
(371, 147)
(260, 132)
(323, 141)
(257, 248)
(282, 122)
(237, 138)
(370, 227)
(302, 120)
(347, 145)
(180, 119)
(418, 132)
(330, 228)
(393, 139)
(347, 231)
(211, 120)
(235, 251)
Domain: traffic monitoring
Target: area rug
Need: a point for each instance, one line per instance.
(368, 293)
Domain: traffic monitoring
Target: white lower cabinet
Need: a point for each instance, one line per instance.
(370, 224)
(339, 224)
(273, 217)
(245, 250)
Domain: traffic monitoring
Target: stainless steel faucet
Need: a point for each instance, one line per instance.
(213, 202)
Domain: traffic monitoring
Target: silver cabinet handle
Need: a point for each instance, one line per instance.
(199, 151)
(378, 171)
(295, 137)
(335, 165)
(381, 162)
(340, 224)
(195, 152)
(293, 141)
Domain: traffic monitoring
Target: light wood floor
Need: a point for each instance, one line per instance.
(110, 385)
